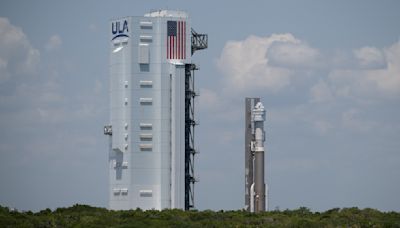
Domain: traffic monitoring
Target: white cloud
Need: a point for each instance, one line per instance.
(339, 87)
(29, 94)
(369, 57)
(53, 43)
(377, 78)
(293, 55)
(388, 79)
(17, 56)
(245, 64)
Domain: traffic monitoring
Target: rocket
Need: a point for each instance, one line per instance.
(256, 197)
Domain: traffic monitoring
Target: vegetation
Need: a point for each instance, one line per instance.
(86, 216)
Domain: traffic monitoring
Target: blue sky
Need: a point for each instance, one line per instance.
(328, 73)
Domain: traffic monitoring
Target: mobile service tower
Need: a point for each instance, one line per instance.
(151, 154)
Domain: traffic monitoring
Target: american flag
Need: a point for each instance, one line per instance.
(176, 39)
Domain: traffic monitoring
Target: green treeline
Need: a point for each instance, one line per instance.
(87, 216)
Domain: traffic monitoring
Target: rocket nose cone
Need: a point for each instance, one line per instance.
(259, 105)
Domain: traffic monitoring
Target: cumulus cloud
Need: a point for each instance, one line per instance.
(326, 91)
(370, 57)
(17, 56)
(53, 43)
(25, 92)
(378, 74)
(296, 55)
(387, 79)
(245, 64)
(281, 62)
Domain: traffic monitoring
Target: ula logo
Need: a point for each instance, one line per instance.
(118, 29)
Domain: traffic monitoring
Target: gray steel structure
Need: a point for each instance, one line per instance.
(190, 123)
(151, 130)
(255, 188)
